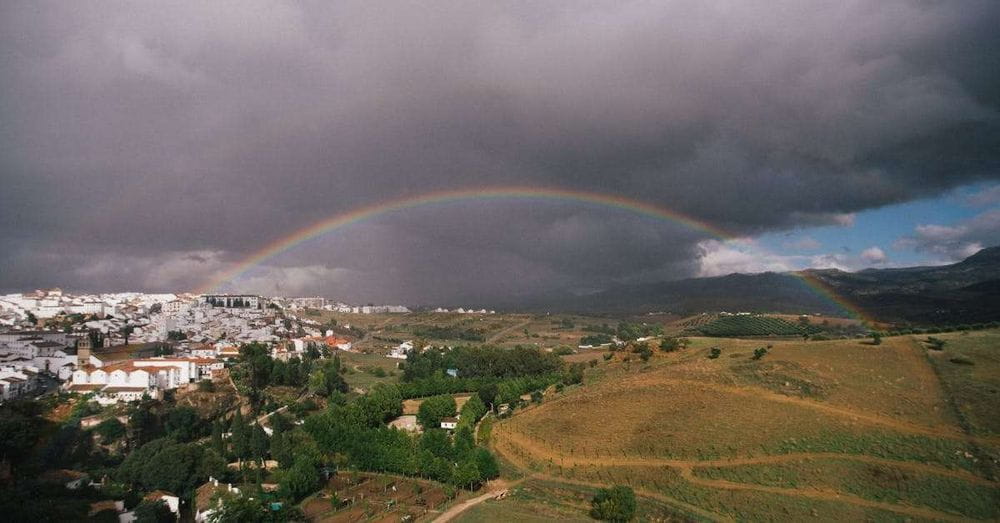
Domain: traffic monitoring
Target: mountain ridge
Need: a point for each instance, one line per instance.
(963, 292)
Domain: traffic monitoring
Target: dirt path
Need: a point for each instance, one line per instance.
(824, 495)
(662, 498)
(500, 489)
(542, 453)
(497, 335)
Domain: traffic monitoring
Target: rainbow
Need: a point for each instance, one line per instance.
(361, 214)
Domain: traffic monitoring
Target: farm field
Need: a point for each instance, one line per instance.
(834, 430)
(412, 406)
(375, 497)
(361, 369)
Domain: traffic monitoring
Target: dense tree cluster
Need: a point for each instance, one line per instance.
(166, 464)
(512, 387)
(433, 409)
(613, 504)
(256, 370)
(481, 362)
(596, 339)
(356, 431)
(628, 331)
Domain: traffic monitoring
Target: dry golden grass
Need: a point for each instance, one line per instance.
(805, 411)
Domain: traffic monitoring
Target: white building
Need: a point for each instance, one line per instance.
(130, 380)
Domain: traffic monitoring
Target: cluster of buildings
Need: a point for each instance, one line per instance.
(462, 310)
(107, 344)
(367, 309)
(45, 304)
(119, 376)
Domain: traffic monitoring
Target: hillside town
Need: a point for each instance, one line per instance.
(123, 346)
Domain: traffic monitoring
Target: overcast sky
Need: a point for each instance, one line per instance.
(146, 146)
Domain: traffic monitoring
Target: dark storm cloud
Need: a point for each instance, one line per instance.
(152, 145)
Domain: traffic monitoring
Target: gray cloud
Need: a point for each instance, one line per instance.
(950, 243)
(192, 134)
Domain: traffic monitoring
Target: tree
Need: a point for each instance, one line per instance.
(218, 443)
(669, 344)
(300, 480)
(614, 504)
(467, 473)
(258, 444)
(165, 464)
(240, 509)
(183, 424)
(473, 409)
(110, 429)
(876, 338)
(486, 463)
(464, 442)
(18, 434)
(433, 409)
(240, 435)
(126, 332)
(149, 511)
(488, 393)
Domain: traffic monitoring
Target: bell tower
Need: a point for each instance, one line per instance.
(83, 347)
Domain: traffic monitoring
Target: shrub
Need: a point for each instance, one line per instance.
(935, 343)
(614, 504)
(714, 352)
(759, 353)
(206, 386)
(669, 344)
(110, 429)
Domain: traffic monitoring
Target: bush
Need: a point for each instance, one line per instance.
(614, 504)
(669, 344)
(206, 386)
(110, 429)
(714, 352)
(935, 343)
(759, 353)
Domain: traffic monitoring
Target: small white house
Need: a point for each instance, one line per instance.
(449, 423)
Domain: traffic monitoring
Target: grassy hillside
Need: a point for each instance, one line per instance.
(835, 430)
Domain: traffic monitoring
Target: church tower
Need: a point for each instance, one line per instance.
(83, 347)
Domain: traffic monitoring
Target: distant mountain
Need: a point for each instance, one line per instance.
(964, 292)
